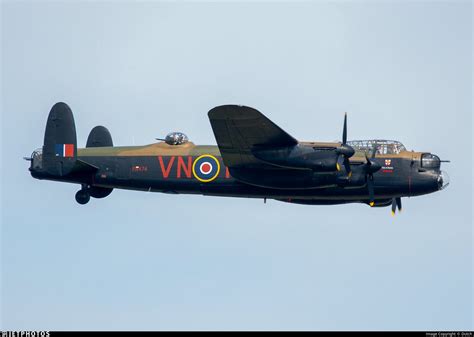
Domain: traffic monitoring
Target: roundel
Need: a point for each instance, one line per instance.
(206, 168)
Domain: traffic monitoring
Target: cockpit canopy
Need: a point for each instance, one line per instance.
(176, 138)
(382, 146)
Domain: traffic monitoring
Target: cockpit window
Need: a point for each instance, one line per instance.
(382, 147)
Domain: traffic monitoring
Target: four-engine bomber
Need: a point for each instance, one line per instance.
(253, 158)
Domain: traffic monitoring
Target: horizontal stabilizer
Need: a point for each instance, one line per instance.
(83, 167)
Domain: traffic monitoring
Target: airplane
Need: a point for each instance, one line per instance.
(254, 158)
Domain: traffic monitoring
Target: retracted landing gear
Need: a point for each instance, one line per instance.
(83, 195)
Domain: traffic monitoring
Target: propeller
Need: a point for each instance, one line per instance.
(396, 203)
(345, 151)
(370, 168)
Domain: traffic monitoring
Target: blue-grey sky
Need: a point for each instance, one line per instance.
(402, 70)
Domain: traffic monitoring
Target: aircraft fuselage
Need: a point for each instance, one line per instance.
(174, 169)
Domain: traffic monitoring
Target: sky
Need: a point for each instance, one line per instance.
(146, 261)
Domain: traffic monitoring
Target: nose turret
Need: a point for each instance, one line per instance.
(428, 176)
(430, 161)
(443, 180)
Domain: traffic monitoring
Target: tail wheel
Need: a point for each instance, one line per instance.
(83, 196)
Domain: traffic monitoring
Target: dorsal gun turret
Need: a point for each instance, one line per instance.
(175, 138)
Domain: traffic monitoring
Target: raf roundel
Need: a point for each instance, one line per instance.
(206, 168)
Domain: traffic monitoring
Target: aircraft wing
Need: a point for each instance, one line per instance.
(239, 128)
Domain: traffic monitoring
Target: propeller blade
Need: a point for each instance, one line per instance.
(370, 168)
(396, 203)
(368, 162)
(345, 151)
(370, 186)
(394, 206)
(399, 203)
(347, 167)
(344, 130)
